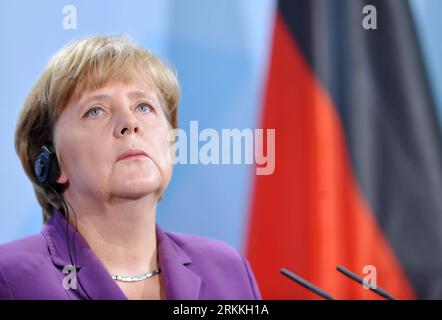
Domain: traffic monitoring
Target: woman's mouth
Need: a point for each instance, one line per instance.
(132, 154)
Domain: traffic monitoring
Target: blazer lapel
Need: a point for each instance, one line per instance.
(97, 282)
(92, 277)
(181, 283)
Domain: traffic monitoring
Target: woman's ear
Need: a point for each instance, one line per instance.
(62, 178)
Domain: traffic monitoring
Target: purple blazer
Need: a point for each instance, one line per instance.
(192, 267)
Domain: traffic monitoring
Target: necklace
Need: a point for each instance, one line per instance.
(136, 278)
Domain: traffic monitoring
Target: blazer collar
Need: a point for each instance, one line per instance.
(179, 281)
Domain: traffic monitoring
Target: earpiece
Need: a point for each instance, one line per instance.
(46, 167)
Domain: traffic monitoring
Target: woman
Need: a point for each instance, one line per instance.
(93, 139)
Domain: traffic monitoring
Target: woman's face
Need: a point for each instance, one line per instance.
(96, 135)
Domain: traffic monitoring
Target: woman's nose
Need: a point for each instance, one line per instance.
(129, 130)
(128, 124)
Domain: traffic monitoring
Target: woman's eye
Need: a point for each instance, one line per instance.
(144, 107)
(94, 112)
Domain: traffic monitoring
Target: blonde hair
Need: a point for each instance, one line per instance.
(86, 64)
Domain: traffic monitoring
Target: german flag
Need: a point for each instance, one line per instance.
(358, 169)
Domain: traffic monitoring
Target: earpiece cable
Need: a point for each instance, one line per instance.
(67, 236)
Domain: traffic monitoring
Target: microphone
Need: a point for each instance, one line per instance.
(356, 278)
(307, 284)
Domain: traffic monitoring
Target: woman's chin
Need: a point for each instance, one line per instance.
(137, 188)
